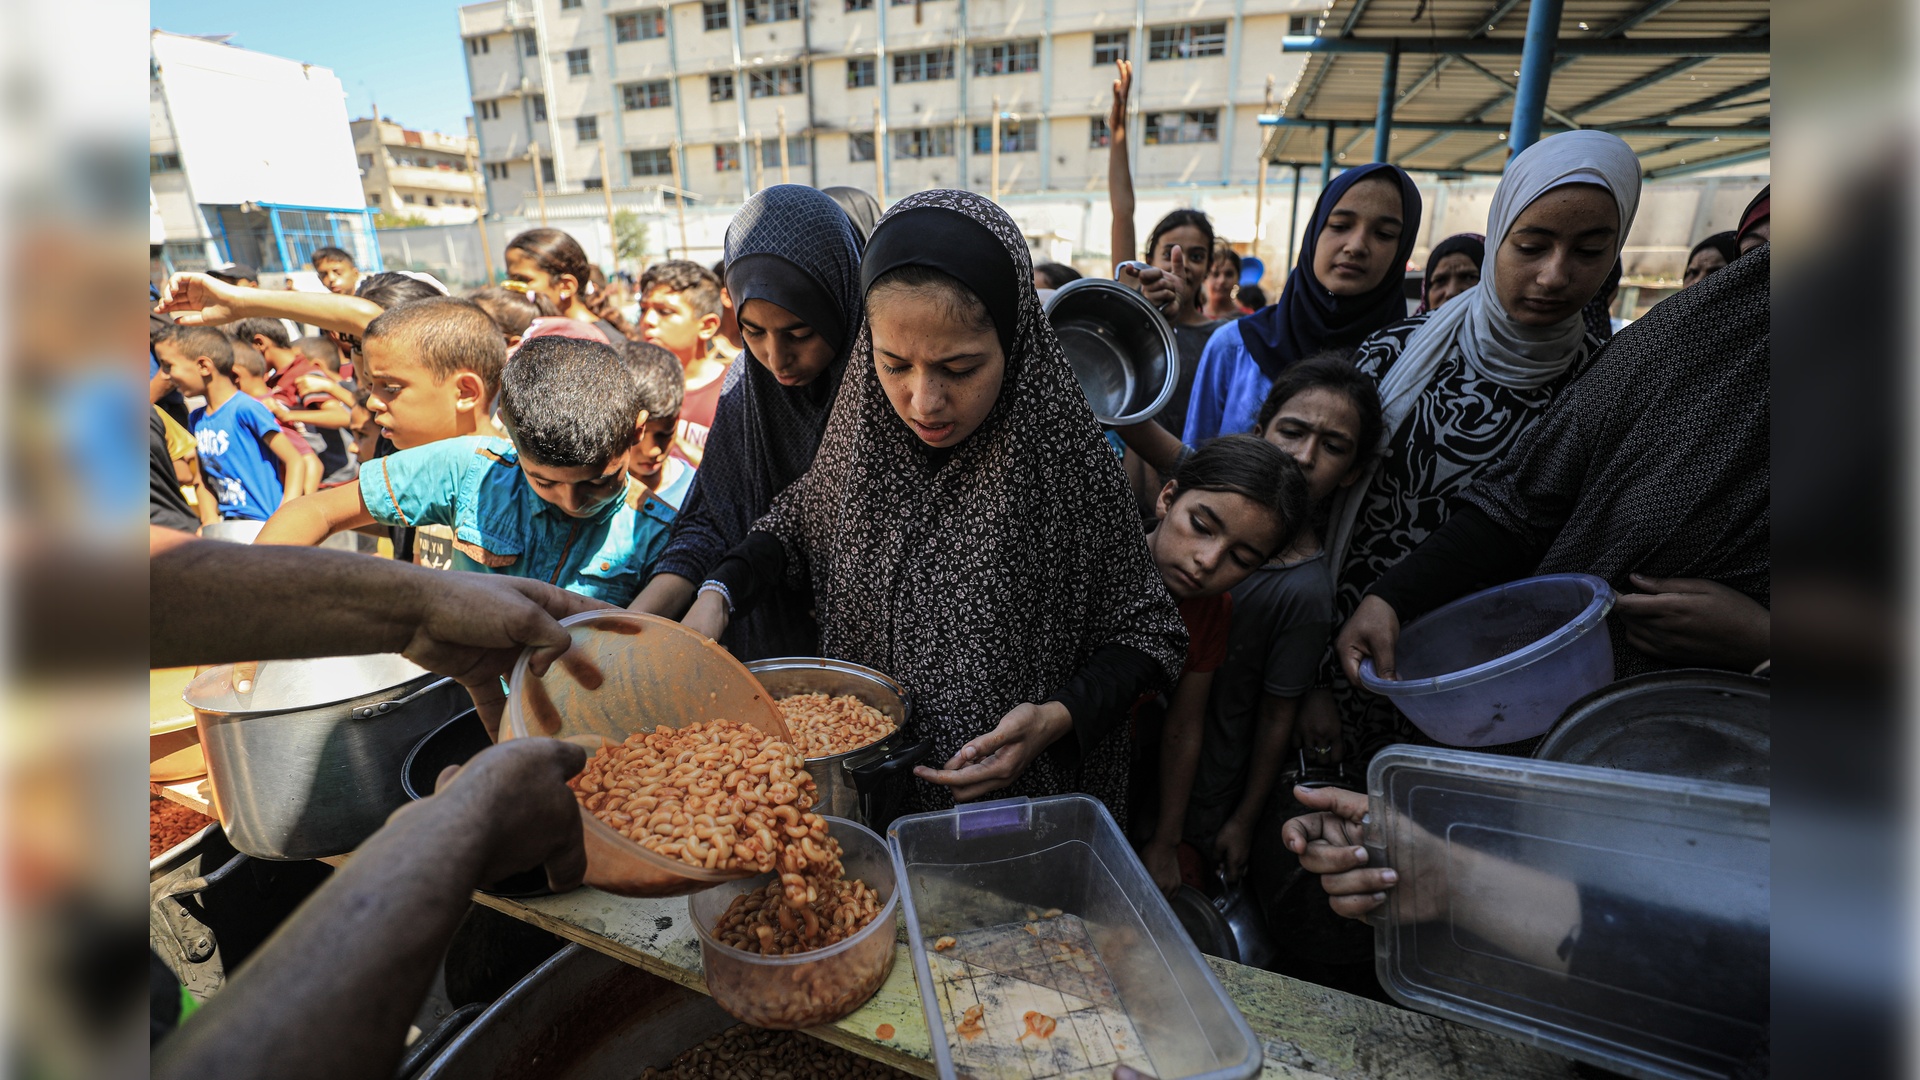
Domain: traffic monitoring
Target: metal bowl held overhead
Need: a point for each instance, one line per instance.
(857, 784)
(306, 762)
(1120, 346)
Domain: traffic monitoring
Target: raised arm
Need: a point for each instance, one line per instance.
(1119, 173)
(199, 300)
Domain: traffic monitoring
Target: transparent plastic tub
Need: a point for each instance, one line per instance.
(1620, 918)
(630, 672)
(1051, 913)
(1503, 664)
(805, 989)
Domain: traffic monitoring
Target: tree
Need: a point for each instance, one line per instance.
(385, 220)
(629, 236)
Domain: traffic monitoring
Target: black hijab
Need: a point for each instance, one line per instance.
(791, 246)
(1726, 243)
(1308, 318)
(1470, 244)
(863, 210)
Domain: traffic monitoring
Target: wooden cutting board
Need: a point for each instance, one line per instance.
(1048, 966)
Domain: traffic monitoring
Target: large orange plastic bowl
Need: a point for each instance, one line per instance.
(630, 672)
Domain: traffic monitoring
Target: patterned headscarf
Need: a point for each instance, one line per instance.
(793, 247)
(984, 577)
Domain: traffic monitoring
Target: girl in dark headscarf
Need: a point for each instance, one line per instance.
(863, 210)
(793, 269)
(1755, 224)
(1710, 255)
(1453, 267)
(1346, 283)
(965, 528)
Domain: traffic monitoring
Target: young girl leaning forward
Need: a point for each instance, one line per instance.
(1225, 745)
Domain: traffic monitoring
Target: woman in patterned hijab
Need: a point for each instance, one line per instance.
(793, 266)
(964, 527)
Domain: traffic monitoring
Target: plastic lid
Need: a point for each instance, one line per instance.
(1619, 918)
(1577, 625)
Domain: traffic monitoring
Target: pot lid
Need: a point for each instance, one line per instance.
(292, 685)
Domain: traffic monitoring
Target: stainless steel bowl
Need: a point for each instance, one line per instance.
(1120, 346)
(307, 763)
(842, 779)
(1696, 723)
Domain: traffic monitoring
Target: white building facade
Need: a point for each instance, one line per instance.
(897, 95)
(416, 174)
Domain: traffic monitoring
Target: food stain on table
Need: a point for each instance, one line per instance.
(883, 1032)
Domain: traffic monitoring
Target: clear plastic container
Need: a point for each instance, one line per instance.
(809, 988)
(630, 672)
(1503, 664)
(1051, 913)
(1616, 917)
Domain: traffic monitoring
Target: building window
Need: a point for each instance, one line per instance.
(407, 199)
(539, 107)
(373, 197)
(796, 151)
(860, 71)
(860, 146)
(586, 128)
(925, 65)
(640, 25)
(497, 170)
(1109, 47)
(650, 162)
(1098, 134)
(720, 87)
(1006, 58)
(488, 110)
(1305, 25)
(568, 5)
(713, 15)
(366, 162)
(757, 12)
(171, 162)
(591, 183)
(1165, 129)
(1014, 138)
(430, 201)
(657, 94)
(478, 45)
(546, 170)
(726, 157)
(923, 143)
(1187, 41)
(859, 5)
(529, 43)
(775, 82)
(577, 62)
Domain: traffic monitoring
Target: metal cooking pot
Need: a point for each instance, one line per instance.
(860, 784)
(1695, 723)
(455, 743)
(307, 763)
(1120, 347)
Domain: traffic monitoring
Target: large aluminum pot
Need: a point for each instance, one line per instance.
(306, 764)
(1120, 347)
(1695, 723)
(857, 785)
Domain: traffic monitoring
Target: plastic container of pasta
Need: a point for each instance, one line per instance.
(808, 988)
(630, 672)
(1043, 948)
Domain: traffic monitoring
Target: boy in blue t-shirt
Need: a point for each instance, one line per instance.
(548, 505)
(241, 448)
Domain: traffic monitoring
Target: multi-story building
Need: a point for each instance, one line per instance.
(250, 159)
(416, 174)
(897, 95)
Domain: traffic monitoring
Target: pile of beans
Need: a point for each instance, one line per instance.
(825, 726)
(749, 1053)
(169, 824)
(716, 794)
(762, 922)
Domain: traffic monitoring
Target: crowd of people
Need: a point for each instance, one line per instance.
(857, 436)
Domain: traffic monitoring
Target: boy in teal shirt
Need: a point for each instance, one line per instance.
(547, 505)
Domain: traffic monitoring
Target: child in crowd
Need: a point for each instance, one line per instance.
(547, 505)
(432, 369)
(250, 376)
(303, 394)
(337, 270)
(1223, 277)
(512, 312)
(238, 442)
(1228, 509)
(680, 311)
(652, 472)
(728, 342)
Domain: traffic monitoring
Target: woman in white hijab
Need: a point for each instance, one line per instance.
(1461, 383)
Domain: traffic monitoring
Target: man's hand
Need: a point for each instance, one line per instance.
(1122, 88)
(1232, 846)
(1695, 621)
(1162, 861)
(1372, 631)
(1328, 844)
(472, 627)
(200, 300)
(1159, 287)
(999, 757)
(517, 791)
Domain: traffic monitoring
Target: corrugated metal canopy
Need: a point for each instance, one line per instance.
(1677, 111)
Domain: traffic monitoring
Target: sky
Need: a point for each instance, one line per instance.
(403, 55)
